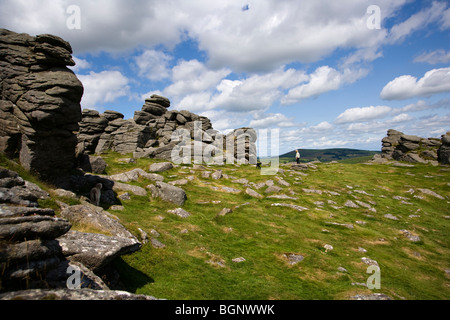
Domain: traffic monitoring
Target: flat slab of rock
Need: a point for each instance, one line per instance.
(160, 167)
(32, 227)
(180, 212)
(168, 192)
(134, 175)
(292, 206)
(95, 250)
(98, 218)
(70, 294)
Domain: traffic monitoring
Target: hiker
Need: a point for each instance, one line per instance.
(297, 156)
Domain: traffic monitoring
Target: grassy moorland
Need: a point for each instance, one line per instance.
(197, 260)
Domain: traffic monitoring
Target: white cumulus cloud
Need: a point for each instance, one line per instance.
(101, 87)
(407, 86)
(363, 114)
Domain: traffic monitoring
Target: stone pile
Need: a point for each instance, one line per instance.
(39, 102)
(155, 131)
(37, 249)
(409, 148)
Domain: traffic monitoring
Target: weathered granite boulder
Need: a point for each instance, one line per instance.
(94, 250)
(39, 102)
(444, 150)
(90, 215)
(168, 192)
(69, 294)
(409, 148)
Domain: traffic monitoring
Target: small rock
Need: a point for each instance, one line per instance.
(350, 204)
(160, 167)
(294, 258)
(216, 175)
(328, 247)
(342, 269)
(180, 212)
(253, 193)
(157, 244)
(237, 260)
(390, 216)
(369, 261)
(224, 212)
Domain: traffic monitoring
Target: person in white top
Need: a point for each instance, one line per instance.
(297, 156)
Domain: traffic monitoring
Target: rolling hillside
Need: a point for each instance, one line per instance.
(326, 155)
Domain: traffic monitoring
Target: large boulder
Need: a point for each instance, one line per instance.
(168, 193)
(94, 250)
(39, 102)
(444, 150)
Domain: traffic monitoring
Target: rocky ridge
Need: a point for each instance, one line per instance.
(409, 148)
(37, 248)
(39, 102)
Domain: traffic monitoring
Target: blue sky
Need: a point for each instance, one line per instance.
(317, 70)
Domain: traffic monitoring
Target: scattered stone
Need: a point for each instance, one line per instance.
(410, 236)
(70, 294)
(253, 193)
(362, 250)
(139, 191)
(390, 216)
(342, 269)
(124, 196)
(293, 258)
(157, 244)
(328, 247)
(293, 206)
(180, 212)
(350, 204)
(431, 193)
(241, 181)
(273, 189)
(160, 167)
(346, 225)
(217, 175)
(282, 182)
(180, 182)
(369, 261)
(312, 191)
(281, 196)
(144, 236)
(238, 260)
(224, 212)
(373, 296)
(168, 192)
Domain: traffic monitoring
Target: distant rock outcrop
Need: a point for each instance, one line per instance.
(155, 131)
(444, 150)
(409, 148)
(39, 102)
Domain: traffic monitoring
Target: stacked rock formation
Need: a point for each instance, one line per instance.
(409, 148)
(157, 132)
(37, 249)
(39, 102)
(444, 150)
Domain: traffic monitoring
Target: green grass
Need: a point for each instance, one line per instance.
(187, 268)
(262, 233)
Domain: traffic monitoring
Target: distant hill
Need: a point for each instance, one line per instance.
(326, 155)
